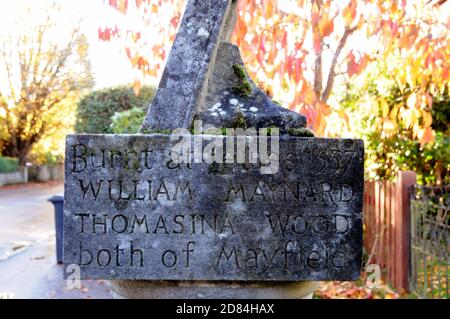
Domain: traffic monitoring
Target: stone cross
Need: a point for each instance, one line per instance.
(204, 26)
(132, 211)
(202, 73)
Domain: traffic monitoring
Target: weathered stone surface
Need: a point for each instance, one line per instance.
(145, 289)
(146, 218)
(186, 73)
(223, 104)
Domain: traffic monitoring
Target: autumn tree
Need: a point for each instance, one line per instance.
(43, 68)
(298, 50)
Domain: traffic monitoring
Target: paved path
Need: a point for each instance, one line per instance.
(28, 267)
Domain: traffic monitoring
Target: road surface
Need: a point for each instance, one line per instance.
(28, 267)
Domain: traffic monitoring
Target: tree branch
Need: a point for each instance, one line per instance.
(332, 72)
(318, 59)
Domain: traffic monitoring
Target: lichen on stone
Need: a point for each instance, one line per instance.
(301, 132)
(202, 32)
(216, 106)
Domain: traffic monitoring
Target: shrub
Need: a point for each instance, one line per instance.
(8, 164)
(127, 122)
(374, 105)
(96, 109)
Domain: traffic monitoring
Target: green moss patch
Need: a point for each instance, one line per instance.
(301, 132)
(243, 88)
(239, 120)
(239, 72)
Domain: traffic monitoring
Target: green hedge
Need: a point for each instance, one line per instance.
(128, 122)
(8, 164)
(96, 109)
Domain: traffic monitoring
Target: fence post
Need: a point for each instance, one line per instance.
(402, 228)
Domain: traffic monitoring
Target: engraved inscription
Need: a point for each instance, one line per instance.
(131, 212)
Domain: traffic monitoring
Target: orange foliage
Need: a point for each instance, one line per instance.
(352, 290)
(296, 49)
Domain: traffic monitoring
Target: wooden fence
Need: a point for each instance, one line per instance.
(387, 227)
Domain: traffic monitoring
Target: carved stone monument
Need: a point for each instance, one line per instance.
(264, 226)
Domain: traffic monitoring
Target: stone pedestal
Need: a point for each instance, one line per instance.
(140, 289)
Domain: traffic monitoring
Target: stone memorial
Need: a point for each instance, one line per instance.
(223, 193)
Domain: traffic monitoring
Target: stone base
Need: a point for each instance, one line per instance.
(138, 289)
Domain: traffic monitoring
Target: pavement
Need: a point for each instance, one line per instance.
(28, 267)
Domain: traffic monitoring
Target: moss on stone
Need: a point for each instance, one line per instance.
(157, 132)
(239, 72)
(114, 152)
(277, 102)
(271, 130)
(243, 88)
(136, 166)
(239, 120)
(301, 132)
